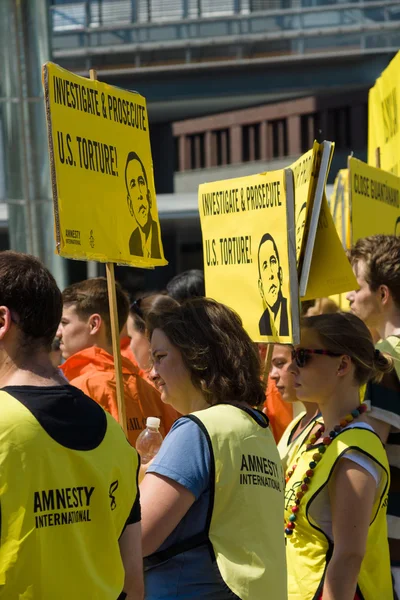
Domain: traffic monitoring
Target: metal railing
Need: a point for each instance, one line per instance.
(185, 31)
(68, 16)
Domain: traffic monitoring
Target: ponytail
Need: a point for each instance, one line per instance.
(382, 364)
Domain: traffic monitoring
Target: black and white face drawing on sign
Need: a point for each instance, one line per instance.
(145, 238)
(270, 287)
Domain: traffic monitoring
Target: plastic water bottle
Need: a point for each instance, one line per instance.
(150, 440)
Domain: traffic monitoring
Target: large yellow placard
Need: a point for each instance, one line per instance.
(384, 119)
(330, 271)
(375, 200)
(102, 171)
(248, 235)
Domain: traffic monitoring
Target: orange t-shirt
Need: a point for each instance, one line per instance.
(92, 371)
(280, 413)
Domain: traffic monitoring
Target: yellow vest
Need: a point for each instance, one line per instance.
(62, 511)
(308, 550)
(289, 449)
(244, 528)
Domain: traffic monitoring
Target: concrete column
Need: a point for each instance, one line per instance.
(184, 153)
(210, 149)
(24, 47)
(236, 142)
(294, 135)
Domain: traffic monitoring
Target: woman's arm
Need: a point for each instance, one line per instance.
(164, 503)
(352, 493)
(131, 554)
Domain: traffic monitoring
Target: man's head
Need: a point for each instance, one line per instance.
(376, 265)
(269, 271)
(187, 285)
(139, 197)
(30, 303)
(86, 317)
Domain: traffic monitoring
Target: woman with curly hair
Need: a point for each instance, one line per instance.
(212, 499)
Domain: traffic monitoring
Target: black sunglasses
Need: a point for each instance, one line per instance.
(302, 355)
(135, 308)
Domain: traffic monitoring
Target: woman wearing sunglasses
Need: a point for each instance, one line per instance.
(336, 487)
(212, 500)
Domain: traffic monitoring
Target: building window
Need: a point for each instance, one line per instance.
(310, 125)
(251, 142)
(339, 127)
(277, 131)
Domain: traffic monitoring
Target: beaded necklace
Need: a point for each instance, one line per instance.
(316, 458)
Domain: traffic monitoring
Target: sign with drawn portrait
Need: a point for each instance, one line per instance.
(250, 252)
(305, 172)
(340, 207)
(102, 172)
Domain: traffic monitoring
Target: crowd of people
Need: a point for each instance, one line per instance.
(223, 511)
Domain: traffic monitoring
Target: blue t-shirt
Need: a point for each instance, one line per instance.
(185, 458)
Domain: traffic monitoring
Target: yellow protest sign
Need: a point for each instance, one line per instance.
(330, 271)
(102, 171)
(249, 252)
(384, 118)
(305, 172)
(340, 207)
(375, 200)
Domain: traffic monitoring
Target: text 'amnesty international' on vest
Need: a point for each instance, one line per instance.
(271, 475)
(54, 503)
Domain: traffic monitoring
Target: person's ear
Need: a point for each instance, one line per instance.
(5, 321)
(95, 322)
(384, 294)
(261, 289)
(149, 200)
(280, 275)
(344, 366)
(129, 200)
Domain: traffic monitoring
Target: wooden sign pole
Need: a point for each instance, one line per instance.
(378, 158)
(267, 362)
(112, 300)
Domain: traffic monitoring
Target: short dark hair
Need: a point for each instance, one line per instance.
(91, 296)
(134, 156)
(30, 292)
(303, 206)
(381, 255)
(141, 307)
(267, 237)
(222, 360)
(186, 285)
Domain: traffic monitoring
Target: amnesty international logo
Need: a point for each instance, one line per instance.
(290, 494)
(113, 488)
